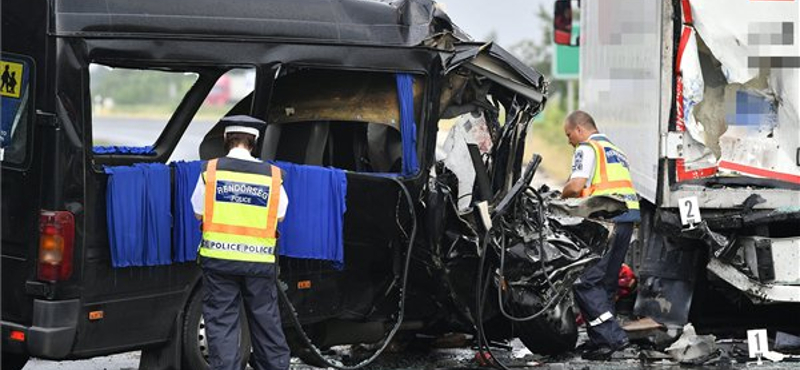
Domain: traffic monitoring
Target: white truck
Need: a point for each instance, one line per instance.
(703, 97)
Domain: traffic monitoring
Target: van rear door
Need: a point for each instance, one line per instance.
(20, 184)
(24, 40)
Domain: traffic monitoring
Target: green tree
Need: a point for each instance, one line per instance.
(141, 87)
(539, 55)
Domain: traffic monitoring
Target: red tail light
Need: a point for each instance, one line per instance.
(56, 244)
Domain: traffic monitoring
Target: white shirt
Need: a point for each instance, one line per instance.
(583, 161)
(199, 194)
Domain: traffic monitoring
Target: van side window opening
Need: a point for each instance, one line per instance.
(131, 107)
(343, 119)
(231, 88)
(15, 105)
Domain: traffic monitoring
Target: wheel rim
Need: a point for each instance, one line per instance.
(202, 339)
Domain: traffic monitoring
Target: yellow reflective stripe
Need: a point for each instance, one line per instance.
(610, 178)
(237, 256)
(250, 178)
(240, 239)
(244, 219)
(240, 215)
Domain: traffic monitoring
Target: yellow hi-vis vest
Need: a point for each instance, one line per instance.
(611, 174)
(241, 214)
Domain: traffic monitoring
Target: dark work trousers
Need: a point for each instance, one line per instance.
(596, 288)
(221, 312)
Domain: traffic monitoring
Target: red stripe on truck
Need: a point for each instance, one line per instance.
(759, 172)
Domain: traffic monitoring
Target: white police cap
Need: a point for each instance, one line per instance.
(243, 124)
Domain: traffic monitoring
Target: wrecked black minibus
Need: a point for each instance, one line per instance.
(456, 242)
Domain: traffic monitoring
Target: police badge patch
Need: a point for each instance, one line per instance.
(577, 163)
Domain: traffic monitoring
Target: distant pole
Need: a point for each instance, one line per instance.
(570, 96)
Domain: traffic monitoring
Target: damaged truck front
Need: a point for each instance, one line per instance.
(703, 96)
(401, 230)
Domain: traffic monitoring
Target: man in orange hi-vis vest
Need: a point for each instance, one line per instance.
(601, 168)
(240, 201)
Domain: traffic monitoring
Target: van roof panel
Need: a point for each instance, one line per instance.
(400, 23)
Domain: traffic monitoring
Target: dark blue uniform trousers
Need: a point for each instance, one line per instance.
(596, 288)
(221, 312)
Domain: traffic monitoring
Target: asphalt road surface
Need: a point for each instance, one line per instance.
(452, 358)
(143, 131)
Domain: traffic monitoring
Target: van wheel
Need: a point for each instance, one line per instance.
(194, 342)
(552, 333)
(14, 361)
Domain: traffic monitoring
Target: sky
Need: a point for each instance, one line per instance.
(512, 20)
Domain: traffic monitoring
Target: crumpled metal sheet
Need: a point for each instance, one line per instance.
(590, 207)
(693, 348)
(733, 31)
(747, 113)
(456, 158)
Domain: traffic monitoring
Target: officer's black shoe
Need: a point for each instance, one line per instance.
(602, 353)
(586, 347)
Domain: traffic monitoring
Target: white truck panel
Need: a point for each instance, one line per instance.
(752, 126)
(620, 74)
(627, 86)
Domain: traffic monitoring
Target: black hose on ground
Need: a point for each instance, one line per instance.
(401, 309)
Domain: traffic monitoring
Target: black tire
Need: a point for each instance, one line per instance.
(552, 333)
(194, 347)
(14, 361)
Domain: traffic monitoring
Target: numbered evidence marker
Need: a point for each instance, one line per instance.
(757, 342)
(690, 210)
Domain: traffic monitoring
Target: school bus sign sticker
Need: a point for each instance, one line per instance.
(11, 83)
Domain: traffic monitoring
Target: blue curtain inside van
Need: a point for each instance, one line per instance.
(138, 203)
(186, 234)
(408, 128)
(314, 224)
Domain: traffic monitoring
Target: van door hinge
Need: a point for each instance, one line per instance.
(46, 119)
(672, 145)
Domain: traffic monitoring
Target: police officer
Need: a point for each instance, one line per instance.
(240, 201)
(599, 167)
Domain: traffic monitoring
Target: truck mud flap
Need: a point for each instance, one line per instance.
(667, 276)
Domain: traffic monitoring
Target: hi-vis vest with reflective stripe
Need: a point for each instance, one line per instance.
(611, 174)
(241, 212)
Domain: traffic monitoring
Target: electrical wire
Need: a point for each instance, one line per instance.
(401, 309)
(479, 298)
(480, 294)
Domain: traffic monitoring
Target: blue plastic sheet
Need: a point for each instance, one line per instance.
(313, 227)
(186, 234)
(138, 204)
(408, 128)
(135, 150)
